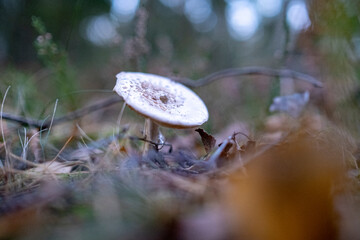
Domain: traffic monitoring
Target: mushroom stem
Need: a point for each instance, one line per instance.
(152, 134)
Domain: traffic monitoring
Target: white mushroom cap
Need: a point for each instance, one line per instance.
(164, 101)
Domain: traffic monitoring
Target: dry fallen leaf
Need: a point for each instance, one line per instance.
(288, 192)
(208, 140)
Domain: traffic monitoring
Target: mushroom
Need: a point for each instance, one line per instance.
(161, 101)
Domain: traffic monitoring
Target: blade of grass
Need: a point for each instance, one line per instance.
(47, 134)
(62, 149)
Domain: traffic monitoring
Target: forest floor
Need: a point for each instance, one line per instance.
(298, 179)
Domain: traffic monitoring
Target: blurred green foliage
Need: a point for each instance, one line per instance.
(55, 59)
(26, 99)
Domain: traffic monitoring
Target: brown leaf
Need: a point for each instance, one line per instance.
(208, 140)
(226, 152)
(285, 185)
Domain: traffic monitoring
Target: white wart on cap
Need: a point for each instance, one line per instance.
(162, 100)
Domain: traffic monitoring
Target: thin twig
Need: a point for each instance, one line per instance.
(21, 120)
(158, 146)
(241, 133)
(86, 110)
(62, 149)
(232, 72)
(28, 162)
(83, 133)
(40, 124)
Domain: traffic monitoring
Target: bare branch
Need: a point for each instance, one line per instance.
(232, 72)
(21, 120)
(85, 110)
(68, 117)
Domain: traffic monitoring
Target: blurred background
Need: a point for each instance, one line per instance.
(72, 50)
(62, 55)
